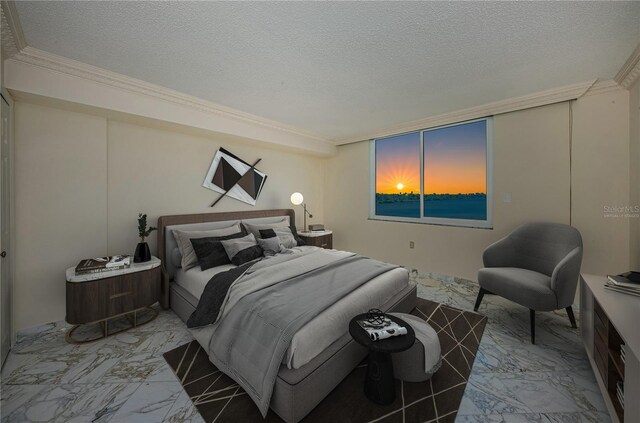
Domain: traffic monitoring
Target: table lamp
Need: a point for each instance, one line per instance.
(297, 199)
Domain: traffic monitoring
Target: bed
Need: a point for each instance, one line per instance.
(321, 352)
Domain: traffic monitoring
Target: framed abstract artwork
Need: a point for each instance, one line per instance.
(231, 176)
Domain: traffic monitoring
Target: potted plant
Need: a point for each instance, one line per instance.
(142, 250)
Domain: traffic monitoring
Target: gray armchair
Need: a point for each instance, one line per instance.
(537, 266)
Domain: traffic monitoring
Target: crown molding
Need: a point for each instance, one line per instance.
(35, 72)
(603, 87)
(542, 98)
(12, 36)
(629, 73)
(43, 59)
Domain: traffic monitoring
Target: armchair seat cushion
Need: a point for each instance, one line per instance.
(526, 287)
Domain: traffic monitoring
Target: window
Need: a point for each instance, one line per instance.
(439, 175)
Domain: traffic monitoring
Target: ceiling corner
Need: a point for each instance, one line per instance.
(13, 40)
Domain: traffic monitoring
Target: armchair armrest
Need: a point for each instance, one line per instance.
(500, 254)
(564, 278)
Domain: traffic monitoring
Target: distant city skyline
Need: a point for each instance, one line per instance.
(454, 161)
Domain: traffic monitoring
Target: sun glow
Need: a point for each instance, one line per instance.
(400, 186)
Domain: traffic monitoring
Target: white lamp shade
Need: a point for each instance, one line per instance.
(297, 198)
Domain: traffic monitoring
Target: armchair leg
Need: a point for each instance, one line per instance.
(572, 318)
(532, 318)
(479, 299)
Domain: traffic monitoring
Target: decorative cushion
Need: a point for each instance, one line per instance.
(270, 246)
(423, 359)
(242, 250)
(189, 257)
(288, 236)
(210, 251)
(267, 233)
(295, 235)
(254, 228)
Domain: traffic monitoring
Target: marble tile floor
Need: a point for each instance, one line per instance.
(124, 378)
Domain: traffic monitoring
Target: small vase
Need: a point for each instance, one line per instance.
(142, 253)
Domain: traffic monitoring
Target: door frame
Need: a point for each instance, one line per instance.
(12, 234)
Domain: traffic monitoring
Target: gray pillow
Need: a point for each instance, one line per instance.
(176, 258)
(270, 246)
(183, 239)
(254, 228)
(286, 237)
(242, 250)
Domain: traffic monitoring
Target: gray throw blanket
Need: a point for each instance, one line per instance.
(213, 296)
(255, 328)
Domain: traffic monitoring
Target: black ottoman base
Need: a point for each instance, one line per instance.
(379, 385)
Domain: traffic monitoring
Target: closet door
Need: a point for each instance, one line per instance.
(5, 216)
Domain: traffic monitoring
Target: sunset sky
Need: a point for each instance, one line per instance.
(454, 162)
(398, 162)
(455, 159)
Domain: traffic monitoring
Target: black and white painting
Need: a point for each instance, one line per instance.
(233, 177)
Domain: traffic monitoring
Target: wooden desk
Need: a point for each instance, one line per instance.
(609, 319)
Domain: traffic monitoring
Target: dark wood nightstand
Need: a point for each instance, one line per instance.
(322, 239)
(100, 297)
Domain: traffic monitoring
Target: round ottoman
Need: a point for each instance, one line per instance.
(423, 359)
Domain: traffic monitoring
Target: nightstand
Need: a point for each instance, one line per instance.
(323, 239)
(101, 297)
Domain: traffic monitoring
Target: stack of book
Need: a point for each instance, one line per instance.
(620, 392)
(103, 264)
(627, 283)
(623, 354)
(383, 329)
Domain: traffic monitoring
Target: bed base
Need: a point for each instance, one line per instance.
(298, 391)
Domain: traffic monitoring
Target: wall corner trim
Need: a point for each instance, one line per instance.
(629, 73)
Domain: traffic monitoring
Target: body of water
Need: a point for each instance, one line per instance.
(455, 208)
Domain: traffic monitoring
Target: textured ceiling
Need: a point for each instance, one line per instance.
(339, 69)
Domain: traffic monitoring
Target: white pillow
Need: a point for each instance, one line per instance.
(255, 228)
(270, 246)
(286, 237)
(183, 239)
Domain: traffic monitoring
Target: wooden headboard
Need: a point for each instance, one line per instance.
(185, 219)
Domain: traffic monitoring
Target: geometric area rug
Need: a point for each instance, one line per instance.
(219, 399)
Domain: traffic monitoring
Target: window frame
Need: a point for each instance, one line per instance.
(465, 223)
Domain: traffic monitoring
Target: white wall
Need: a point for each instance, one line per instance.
(537, 181)
(81, 180)
(532, 162)
(61, 205)
(161, 172)
(601, 178)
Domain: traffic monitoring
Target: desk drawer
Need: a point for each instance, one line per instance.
(121, 295)
(601, 363)
(113, 295)
(324, 241)
(600, 327)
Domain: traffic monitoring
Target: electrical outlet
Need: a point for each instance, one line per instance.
(412, 244)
